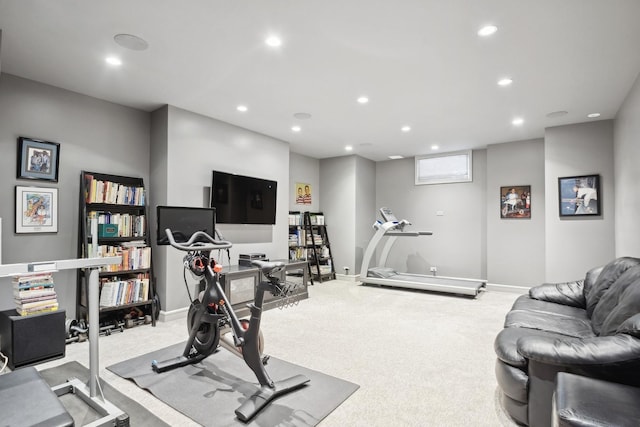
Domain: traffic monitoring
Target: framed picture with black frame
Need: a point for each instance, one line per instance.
(515, 202)
(38, 159)
(579, 195)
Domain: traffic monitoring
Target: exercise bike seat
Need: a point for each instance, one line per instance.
(268, 268)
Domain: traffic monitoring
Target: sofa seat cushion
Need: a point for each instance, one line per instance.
(506, 344)
(550, 322)
(525, 302)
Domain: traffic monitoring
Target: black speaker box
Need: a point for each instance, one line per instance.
(27, 340)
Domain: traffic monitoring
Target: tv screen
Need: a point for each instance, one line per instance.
(184, 221)
(242, 199)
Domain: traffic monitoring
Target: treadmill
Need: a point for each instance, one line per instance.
(391, 229)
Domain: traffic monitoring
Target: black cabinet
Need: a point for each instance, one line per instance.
(27, 340)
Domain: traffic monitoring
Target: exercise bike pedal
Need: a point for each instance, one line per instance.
(265, 359)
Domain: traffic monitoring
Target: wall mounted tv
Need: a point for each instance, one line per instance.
(242, 199)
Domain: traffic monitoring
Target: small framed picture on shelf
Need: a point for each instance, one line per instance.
(579, 195)
(36, 210)
(38, 159)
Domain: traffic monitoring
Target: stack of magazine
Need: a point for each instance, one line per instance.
(34, 294)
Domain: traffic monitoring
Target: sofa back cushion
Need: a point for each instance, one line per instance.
(609, 274)
(619, 303)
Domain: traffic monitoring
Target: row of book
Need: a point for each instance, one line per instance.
(115, 292)
(98, 191)
(300, 238)
(133, 257)
(34, 294)
(297, 218)
(128, 225)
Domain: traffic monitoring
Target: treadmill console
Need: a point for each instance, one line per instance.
(387, 215)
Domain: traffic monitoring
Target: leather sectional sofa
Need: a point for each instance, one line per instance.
(589, 327)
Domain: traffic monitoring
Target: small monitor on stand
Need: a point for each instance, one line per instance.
(184, 221)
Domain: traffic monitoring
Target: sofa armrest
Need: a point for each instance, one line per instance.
(620, 349)
(566, 293)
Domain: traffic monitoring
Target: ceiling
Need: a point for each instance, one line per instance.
(420, 63)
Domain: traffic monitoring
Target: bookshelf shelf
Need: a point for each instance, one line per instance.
(116, 205)
(309, 240)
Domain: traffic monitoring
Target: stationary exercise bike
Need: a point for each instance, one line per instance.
(211, 315)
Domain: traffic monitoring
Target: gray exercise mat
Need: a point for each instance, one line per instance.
(82, 413)
(210, 391)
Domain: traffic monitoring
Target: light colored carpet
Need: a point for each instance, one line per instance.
(421, 359)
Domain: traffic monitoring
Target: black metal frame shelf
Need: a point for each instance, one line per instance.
(148, 306)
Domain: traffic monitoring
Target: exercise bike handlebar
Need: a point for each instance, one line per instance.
(199, 241)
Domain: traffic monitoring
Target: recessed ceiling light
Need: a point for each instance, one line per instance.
(363, 100)
(555, 114)
(593, 115)
(242, 108)
(487, 30)
(130, 41)
(405, 128)
(505, 82)
(396, 157)
(435, 147)
(517, 121)
(296, 128)
(302, 116)
(273, 41)
(112, 60)
(348, 147)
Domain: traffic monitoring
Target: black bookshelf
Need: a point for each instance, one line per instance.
(117, 200)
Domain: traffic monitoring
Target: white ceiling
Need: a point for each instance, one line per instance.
(420, 62)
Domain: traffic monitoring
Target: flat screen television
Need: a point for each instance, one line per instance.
(242, 199)
(184, 221)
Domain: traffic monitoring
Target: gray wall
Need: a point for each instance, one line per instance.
(575, 244)
(338, 195)
(365, 214)
(458, 244)
(305, 170)
(347, 198)
(627, 178)
(515, 247)
(196, 145)
(94, 135)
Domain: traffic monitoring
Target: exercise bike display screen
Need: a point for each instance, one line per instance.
(184, 221)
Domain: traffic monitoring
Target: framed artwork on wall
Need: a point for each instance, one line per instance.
(303, 193)
(38, 159)
(36, 210)
(579, 195)
(515, 202)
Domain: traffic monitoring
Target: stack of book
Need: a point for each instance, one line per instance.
(34, 294)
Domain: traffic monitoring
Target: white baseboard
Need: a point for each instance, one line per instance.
(348, 277)
(166, 316)
(508, 288)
